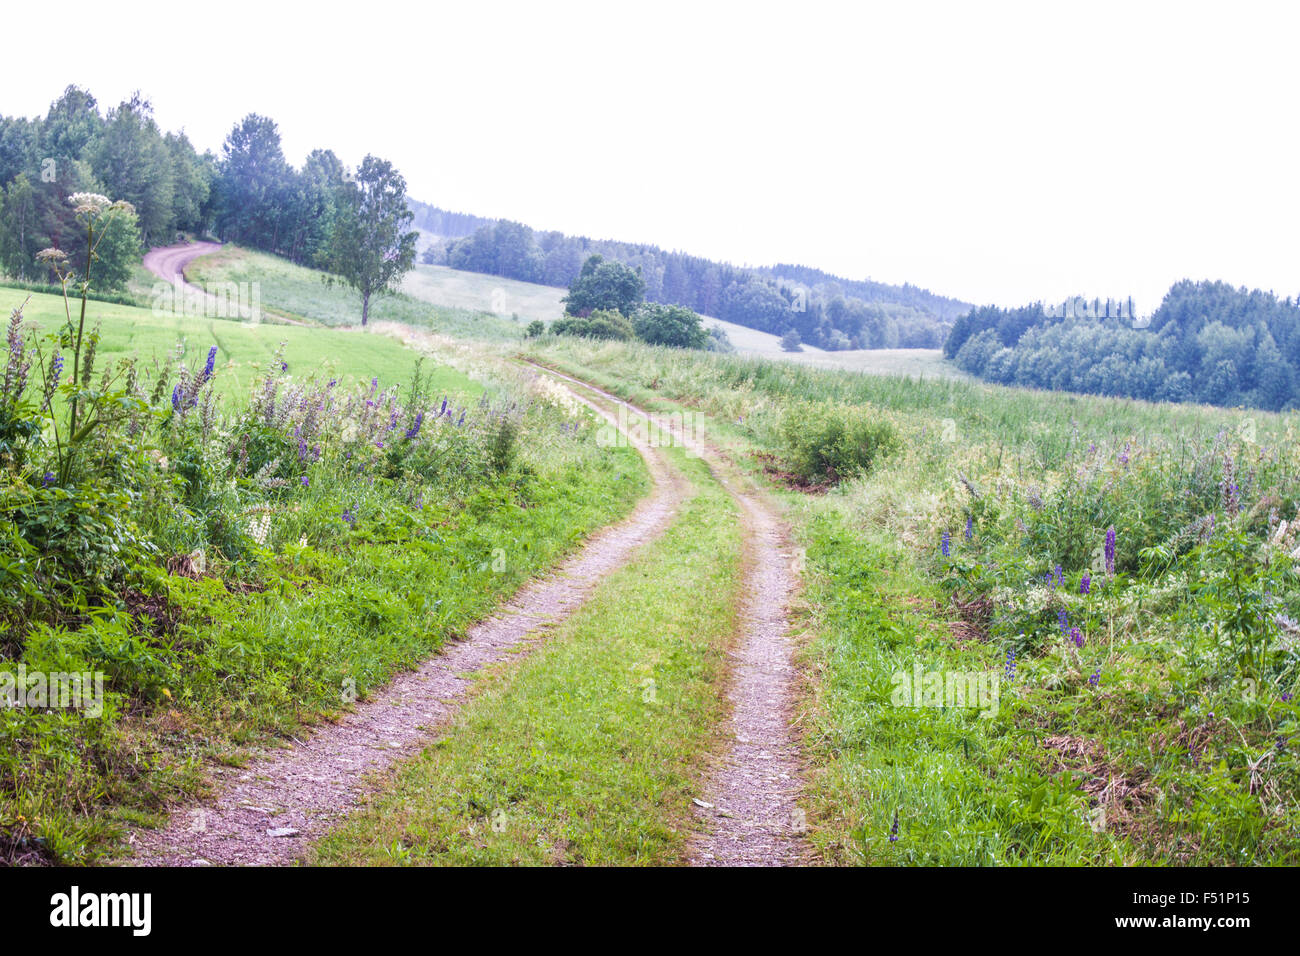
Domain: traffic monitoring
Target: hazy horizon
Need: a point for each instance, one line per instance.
(1121, 152)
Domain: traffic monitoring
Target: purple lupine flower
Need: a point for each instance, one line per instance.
(1110, 550)
(1286, 697)
(414, 430)
(1063, 620)
(302, 449)
(443, 411)
(348, 517)
(211, 363)
(945, 541)
(1076, 635)
(461, 420)
(176, 399)
(1095, 679)
(970, 528)
(333, 382)
(306, 482)
(48, 479)
(1009, 668)
(55, 368)
(1085, 584)
(1123, 456)
(893, 830)
(284, 366)
(1057, 577)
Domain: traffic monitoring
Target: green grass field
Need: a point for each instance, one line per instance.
(245, 349)
(475, 292)
(299, 293)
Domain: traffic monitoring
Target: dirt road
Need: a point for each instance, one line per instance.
(748, 805)
(168, 262)
(268, 812)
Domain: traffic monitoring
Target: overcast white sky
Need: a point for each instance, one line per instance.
(997, 152)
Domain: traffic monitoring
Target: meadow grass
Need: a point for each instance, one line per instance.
(301, 294)
(586, 752)
(1167, 735)
(245, 349)
(476, 292)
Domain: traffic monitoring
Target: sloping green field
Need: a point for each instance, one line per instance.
(244, 348)
(301, 294)
(477, 292)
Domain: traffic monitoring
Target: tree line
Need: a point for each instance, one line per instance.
(821, 309)
(1208, 342)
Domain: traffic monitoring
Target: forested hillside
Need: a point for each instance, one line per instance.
(443, 222)
(1208, 342)
(825, 310)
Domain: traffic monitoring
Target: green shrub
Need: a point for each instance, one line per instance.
(669, 325)
(601, 324)
(828, 442)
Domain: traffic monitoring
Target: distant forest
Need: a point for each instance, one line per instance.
(825, 310)
(1208, 342)
(443, 223)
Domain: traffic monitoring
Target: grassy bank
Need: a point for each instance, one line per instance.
(1140, 691)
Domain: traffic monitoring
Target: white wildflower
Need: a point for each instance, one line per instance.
(260, 528)
(89, 204)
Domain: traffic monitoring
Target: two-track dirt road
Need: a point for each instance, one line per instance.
(269, 812)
